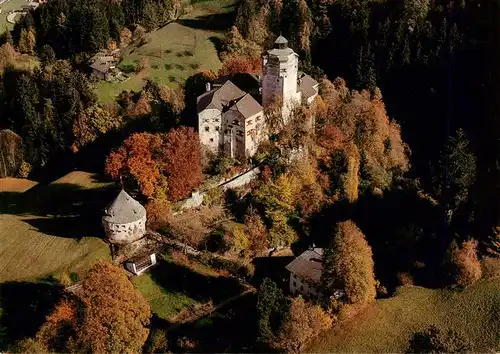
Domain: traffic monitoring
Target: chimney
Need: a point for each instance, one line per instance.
(207, 86)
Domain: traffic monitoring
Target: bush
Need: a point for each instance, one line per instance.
(435, 340)
(159, 212)
(168, 67)
(188, 53)
(195, 66)
(405, 278)
(465, 266)
(491, 267)
(157, 342)
(235, 267)
(127, 68)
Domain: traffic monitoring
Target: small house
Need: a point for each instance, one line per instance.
(305, 273)
(102, 67)
(139, 264)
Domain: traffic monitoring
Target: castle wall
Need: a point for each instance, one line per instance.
(209, 127)
(125, 233)
(254, 133)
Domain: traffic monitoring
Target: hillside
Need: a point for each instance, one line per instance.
(44, 230)
(390, 323)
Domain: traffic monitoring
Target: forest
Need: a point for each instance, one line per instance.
(398, 179)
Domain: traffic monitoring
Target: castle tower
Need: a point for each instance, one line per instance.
(280, 70)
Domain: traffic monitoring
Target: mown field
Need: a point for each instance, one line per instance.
(176, 51)
(7, 6)
(389, 324)
(46, 230)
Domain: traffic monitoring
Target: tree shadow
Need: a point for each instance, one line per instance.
(402, 229)
(273, 268)
(72, 210)
(233, 329)
(24, 307)
(217, 42)
(176, 278)
(216, 22)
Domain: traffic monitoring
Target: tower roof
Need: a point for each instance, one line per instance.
(218, 98)
(124, 209)
(281, 40)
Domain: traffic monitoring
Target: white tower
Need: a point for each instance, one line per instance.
(280, 69)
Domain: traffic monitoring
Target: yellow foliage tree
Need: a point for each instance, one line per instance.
(349, 265)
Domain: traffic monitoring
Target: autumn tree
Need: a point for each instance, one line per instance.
(361, 118)
(240, 64)
(183, 162)
(11, 153)
(305, 321)
(115, 316)
(95, 121)
(140, 160)
(125, 37)
(279, 197)
(348, 265)
(6, 56)
(60, 327)
(256, 232)
(465, 265)
(493, 246)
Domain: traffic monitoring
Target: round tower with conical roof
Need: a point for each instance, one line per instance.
(124, 220)
(280, 67)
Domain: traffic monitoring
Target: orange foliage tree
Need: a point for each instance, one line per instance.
(237, 64)
(466, 266)
(140, 159)
(183, 168)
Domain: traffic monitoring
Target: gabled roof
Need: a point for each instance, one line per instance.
(124, 209)
(219, 98)
(103, 64)
(248, 106)
(308, 266)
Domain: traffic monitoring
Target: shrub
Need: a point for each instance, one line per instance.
(188, 53)
(466, 268)
(24, 170)
(195, 66)
(159, 212)
(435, 340)
(405, 278)
(157, 341)
(491, 267)
(180, 67)
(127, 68)
(168, 67)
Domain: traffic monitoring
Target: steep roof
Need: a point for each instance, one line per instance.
(103, 64)
(281, 40)
(248, 106)
(308, 266)
(124, 209)
(308, 86)
(220, 97)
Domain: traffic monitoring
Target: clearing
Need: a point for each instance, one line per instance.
(176, 51)
(178, 283)
(51, 229)
(389, 324)
(6, 6)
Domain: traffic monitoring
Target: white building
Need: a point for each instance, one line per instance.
(124, 220)
(231, 121)
(305, 273)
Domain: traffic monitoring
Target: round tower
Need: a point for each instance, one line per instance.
(124, 220)
(280, 70)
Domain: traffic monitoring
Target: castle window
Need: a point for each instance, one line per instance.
(211, 140)
(217, 120)
(258, 118)
(235, 122)
(239, 133)
(249, 122)
(207, 129)
(217, 128)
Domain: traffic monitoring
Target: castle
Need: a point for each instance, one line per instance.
(232, 121)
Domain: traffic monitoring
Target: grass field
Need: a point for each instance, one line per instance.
(390, 323)
(6, 7)
(43, 229)
(163, 303)
(176, 51)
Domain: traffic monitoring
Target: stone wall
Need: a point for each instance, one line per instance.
(125, 233)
